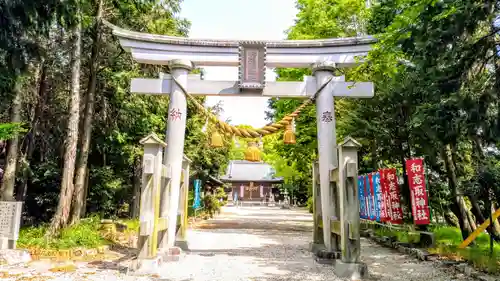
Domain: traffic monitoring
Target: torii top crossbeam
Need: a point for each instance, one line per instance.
(159, 49)
(252, 58)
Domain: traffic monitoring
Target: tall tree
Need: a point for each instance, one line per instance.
(20, 20)
(81, 167)
(430, 78)
(9, 175)
(61, 217)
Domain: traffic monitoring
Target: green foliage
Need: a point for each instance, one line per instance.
(221, 194)
(85, 234)
(10, 130)
(316, 19)
(435, 69)
(452, 236)
(207, 160)
(447, 241)
(211, 204)
(38, 33)
(19, 19)
(399, 235)
(448, 235)
(132, 225)
(108, 192)
(309, 205)
(328, 19)
(294, 162)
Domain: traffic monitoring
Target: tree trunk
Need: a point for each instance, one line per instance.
(9, 176)
(402, 135)
(459, 203)
(476, 210)
(374, 155)
(470, 217)
(61, 216)
(472, 221)
(136, 199)
(496, 225)
(82, 162)
(405, 190)
(492, 229)
(451, 219)
(40, 93)
(496, 65)
(83, 209)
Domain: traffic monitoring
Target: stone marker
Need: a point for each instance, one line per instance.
(10, 221)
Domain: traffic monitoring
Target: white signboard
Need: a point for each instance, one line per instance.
(10, 219)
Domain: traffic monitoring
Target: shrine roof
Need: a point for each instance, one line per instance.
(215, 180)
(241, 170)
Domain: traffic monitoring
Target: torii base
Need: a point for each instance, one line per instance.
(322, 256)
(352, 271)
(144, 266)
(172, 254)
(183, 244)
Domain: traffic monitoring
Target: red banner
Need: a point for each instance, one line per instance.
(394, 198)
(385, 207)
(419, 200)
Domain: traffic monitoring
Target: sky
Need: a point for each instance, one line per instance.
(239, 19)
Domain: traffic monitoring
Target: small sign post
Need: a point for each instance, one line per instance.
(10, 222)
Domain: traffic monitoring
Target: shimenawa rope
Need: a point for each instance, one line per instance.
(251, 132)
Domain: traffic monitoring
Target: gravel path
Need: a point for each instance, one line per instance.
(259, 244)
(255, 243)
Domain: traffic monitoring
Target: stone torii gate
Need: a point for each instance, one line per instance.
(252, 58)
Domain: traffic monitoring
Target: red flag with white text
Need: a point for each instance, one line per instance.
(385, 211)
(419, 201)
(396, 211)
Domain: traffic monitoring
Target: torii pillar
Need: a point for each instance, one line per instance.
(176, 128)
(327, 146)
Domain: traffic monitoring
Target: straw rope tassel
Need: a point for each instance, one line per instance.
(289, 135)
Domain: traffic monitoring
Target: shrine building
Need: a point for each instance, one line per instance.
(250, 181)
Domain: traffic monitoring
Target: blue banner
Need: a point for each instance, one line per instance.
(197, 197)
(368, 197)
(372, 197)
(377, 193)
(361, 187)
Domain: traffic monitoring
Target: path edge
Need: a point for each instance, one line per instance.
(424, 255)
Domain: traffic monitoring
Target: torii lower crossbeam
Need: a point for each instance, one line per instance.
(305, 89)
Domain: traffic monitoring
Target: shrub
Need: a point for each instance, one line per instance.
(310, 205)
(132, 224)
(85, 234)
(221, 194)
(212, 204)
(448, 235)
